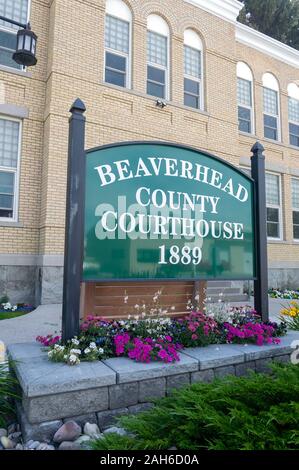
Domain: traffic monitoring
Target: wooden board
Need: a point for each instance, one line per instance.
(108, 299)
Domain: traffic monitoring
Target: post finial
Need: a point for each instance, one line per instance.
(258, 148)
(78, 106)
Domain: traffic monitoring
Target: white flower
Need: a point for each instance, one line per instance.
(73, 358)
(50, 353)
(75, 351)
(126, 299)
(101, 350)
(58, 348)
(93, 345)
(75, 341)
(136, 306)
(87, 351)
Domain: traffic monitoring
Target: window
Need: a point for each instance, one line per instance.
(295, 205)
(244, 95)
(16, 10)
(273, 200)
(271, 107)
(192, 70)
(157, 57)
(293, 93)
(9, 160)
(117, 43)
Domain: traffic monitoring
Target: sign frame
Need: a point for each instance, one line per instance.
(74, 222)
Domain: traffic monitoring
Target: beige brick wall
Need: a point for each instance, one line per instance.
(70, 65)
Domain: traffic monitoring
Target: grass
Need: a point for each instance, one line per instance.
(8, 385)
(4, 315)
(259, 412)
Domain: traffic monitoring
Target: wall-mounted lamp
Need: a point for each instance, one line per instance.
(160, 103)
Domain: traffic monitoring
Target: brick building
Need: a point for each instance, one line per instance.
(224, 85)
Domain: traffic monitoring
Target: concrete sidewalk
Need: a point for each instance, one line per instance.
(46, 319)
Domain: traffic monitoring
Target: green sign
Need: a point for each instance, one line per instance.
(162, 211)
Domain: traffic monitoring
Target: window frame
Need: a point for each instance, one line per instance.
(250, 108)
(16, 172)
(273, 116)
(7, 29)
(127, 56)
(165, 69)
(294, 209)
(195, 79)
(290, 121)
(274, 206)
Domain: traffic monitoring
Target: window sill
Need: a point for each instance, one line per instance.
(246, 134)
(11, 224)
(276, 142)
(22, 73)
(294, 147)
(153, 98)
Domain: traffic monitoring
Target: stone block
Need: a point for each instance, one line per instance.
(38, 376)
(216, 355)
(123, 395)
(263, 365)
(245, 369)
(152, 389)
(65, 405)
(253, 352)
(205, 376)
(285, 359)
(177, 381)
(129, 371)
(82, 419)
(224, 371)
(140, 408)
(43, 432)
(110, 417)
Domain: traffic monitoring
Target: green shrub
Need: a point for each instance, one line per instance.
(8, 384)
(259, 412)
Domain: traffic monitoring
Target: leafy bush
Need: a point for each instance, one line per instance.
(259, 412)
(8, 385)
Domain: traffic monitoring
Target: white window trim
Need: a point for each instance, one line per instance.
(251, 108)
(161, 67)
(195, 79)
(294, 209)
(279, 207)
(296, 123)
(277, 116)
(14, 31)
(16, 172)
(128, 55)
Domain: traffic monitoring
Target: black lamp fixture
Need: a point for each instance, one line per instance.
(26, 47)
(26, 44)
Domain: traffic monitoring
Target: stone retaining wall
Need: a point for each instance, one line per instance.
(99, 392)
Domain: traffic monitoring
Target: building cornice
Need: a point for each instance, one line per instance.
(226, 9)
(267, 45)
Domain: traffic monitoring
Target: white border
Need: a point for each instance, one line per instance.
(226, 9)
(16, 172)
(294, 209)
(273, 206)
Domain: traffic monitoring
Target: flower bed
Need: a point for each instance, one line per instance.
(8, 310)
(160, 339)
(290, 315)
(285, 294)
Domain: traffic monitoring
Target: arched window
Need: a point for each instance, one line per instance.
(193, 73)
(245, 98)
(117, 43)
(293, 94)
(271, 107)
(157, 57)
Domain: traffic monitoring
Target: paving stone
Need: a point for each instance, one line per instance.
(43, 432)
(38, 376)
(151, 389)
(129, 371)
(177, 381)
(109, 418)
(216, 355)
(253, 352)
(206, 376)
(140, 408)
(123, 395)
(224, 371)
(65, 405)
(245, 369)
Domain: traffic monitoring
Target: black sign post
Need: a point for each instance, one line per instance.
(261, 302)
(74, 222)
